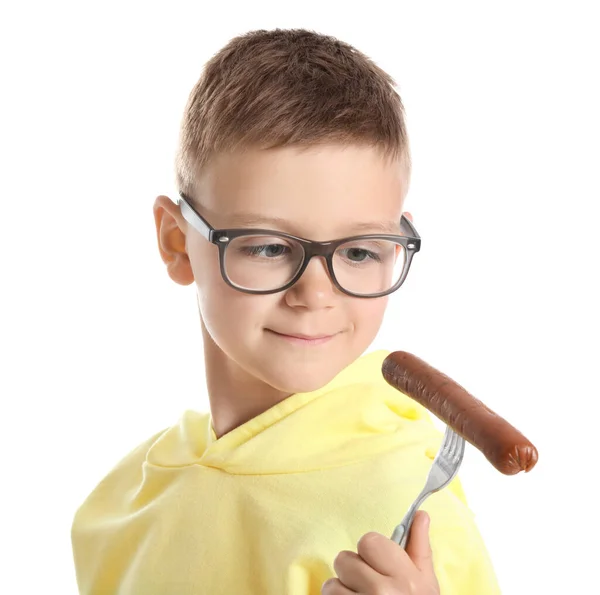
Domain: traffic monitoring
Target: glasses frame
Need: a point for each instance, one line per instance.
(222, 237)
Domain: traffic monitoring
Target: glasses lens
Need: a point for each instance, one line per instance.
(262, 263)
(369, 266)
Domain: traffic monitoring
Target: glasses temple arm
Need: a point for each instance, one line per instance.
(194, 218)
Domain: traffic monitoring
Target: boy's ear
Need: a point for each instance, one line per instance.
(171, 240)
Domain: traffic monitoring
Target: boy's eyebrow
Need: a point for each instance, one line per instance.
(243, 219)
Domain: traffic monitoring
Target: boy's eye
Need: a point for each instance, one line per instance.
(359, 254)
(375, 251)
(269, 250)
(262, 247)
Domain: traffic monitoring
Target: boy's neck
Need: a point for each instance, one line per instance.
(235, 396)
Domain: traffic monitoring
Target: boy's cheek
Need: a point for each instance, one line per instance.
(231, 312)
(368, 314)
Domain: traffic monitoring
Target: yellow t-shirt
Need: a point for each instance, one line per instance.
(265, 509)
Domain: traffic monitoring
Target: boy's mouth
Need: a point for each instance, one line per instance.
(302, 339)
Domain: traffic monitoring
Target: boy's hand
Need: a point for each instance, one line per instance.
(382, 566)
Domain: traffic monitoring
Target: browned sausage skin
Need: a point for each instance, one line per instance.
(502, 444)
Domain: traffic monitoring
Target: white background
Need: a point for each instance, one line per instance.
(100, 349)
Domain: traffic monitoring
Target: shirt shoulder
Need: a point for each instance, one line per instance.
(122, 480)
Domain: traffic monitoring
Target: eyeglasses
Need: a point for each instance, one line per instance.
(262, 261)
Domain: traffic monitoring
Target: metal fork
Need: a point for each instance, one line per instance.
(443, 470)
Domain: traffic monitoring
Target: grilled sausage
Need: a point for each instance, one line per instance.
(502, 444)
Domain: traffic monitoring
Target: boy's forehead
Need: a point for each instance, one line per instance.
(329, 188)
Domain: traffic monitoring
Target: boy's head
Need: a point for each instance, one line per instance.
(294, 132)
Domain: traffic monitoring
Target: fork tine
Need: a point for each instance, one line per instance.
(447, 438)
(453, 445)
(446, 441)
(461, 448)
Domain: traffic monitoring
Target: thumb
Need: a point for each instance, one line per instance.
(418, 546)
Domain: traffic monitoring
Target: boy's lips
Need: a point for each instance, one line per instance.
(302, 338)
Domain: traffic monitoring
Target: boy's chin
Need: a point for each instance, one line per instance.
(302, 377)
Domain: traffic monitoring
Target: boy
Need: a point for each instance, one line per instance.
(308, 459)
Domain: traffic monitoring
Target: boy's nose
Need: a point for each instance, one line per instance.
(315, 289)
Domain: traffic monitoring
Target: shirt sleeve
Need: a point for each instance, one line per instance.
(96, 523)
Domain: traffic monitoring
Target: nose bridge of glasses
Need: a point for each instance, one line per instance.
(318, 249)
(323, 249)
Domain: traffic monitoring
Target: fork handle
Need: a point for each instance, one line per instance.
(401, 532)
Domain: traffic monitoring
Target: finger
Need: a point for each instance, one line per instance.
(333, 586)
(382, 554)
(408, 216)
(354, 573)
(419, 546)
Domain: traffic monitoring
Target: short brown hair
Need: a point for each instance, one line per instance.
(270, 89)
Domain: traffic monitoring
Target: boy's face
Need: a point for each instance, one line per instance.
(323, 193)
